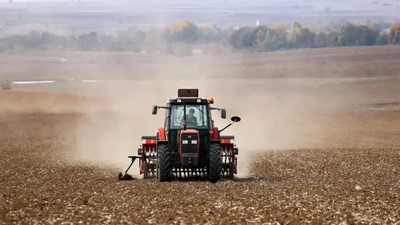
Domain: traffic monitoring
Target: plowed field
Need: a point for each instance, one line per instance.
(319, 140)
(40, 182)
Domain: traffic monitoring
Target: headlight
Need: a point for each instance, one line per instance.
(194, 142)
(185, 142)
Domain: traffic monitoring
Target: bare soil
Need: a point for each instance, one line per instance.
(320, 146)
(40, 182)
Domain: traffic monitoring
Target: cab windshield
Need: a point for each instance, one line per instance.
(196, 116)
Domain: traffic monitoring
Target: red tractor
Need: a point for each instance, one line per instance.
(188, 145)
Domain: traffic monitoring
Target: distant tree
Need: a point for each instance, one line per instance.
(321, 40)
(112, 43)
(275, 39)
(188, 34)
(32, 40)
(347, 35)
(301, 37)
(373, 26)
(260, 35)
(206, 34)
(244, 37)
(259, 38)
(126, 41)
(368, 34)
(333, 39)
(210, 34)
(394, 34)
(184, 32)
(88, 41)
(353, 35)
(383, 39)
(279, 27)
(49, 40)
(178, 26)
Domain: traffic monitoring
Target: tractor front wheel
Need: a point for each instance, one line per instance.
(215, 166)
(163, 164)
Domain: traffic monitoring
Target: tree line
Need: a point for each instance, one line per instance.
(261, 38)
(273, 38)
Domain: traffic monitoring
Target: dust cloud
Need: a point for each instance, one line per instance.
(270, 120)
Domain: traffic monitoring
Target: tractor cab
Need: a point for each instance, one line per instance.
(188, 126)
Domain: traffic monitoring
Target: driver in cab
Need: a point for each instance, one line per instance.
(191, 119)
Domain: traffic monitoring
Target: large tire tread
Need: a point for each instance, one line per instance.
(163, 164)
(215, 166)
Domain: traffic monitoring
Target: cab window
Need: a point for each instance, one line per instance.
(196, 116)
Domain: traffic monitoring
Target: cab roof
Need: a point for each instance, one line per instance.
(190, 95)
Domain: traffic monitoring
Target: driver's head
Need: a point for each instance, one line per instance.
(191, 112)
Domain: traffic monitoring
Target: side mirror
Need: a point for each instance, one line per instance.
(235, 119)
(223, 113)
(154, 112)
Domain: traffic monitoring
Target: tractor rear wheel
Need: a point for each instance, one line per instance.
(215, 166)
(163, 163)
